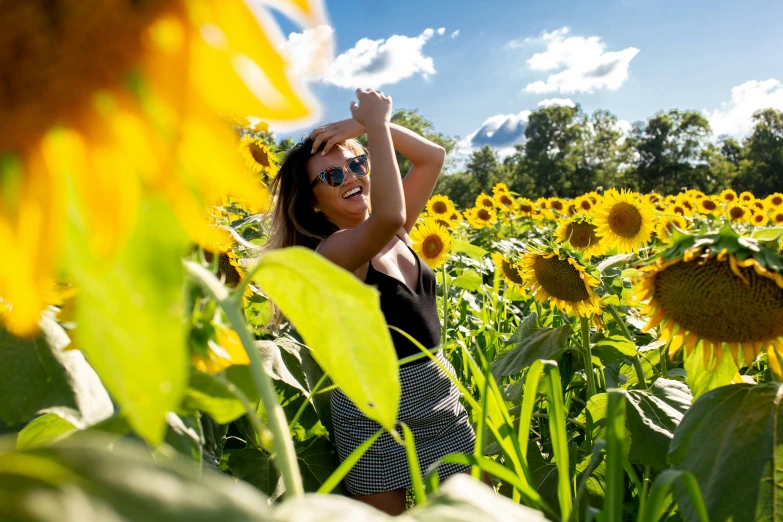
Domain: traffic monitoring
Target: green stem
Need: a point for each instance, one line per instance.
(285, 454)
(588, 356)
(306, 401)
(637, 363)
(445, 305)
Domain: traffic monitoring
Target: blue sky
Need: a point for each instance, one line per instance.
(632, 57)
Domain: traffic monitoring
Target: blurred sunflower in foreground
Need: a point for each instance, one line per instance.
(107, 103)
(722, 290)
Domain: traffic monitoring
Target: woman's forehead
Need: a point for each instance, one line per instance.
(335, 158)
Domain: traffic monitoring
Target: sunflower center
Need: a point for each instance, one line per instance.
(585, 205)
(525, 208)
(439, 207)
(560, 279)
(582, 235)
(259, 154)
(709, 300)
(506, 200)
(736, 212)
(557, 205)
(777, 200)
(778, 217)
(511, 273)
(442, 222)
(708, 205)
(432, 246)
(625, 220)
(487, 203)
(483, 215)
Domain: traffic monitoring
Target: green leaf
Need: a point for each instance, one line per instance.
(207, 394)
(614, 348)
(129, 316)
(701, 379)
(214, 441)
(185, 435)
(317, 461)
(44, 430)
(254, 467)
(767, 234)
(652, 416)
(275, 366)
(615, 456)
(657, 502)
(464, 499)
(472, 251)
(534, 343)
(80, 480)
(730, 440)
(469, 280)
(340, 319)
(36, 374)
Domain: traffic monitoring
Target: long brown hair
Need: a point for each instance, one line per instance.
(294, 222)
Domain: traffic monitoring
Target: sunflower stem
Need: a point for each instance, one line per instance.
(637, 363)
(445, 305)
(588, 356)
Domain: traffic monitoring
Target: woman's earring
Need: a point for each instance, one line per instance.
(316, 209)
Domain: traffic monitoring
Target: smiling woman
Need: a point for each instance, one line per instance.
(322, 201)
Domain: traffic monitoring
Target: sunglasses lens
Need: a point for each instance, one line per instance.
(335, 176)
(359, 166)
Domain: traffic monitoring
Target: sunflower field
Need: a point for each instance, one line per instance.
(619, 354)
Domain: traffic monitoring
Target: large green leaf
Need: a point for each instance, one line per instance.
(469, 280)
(317, 460)
(79, 480)
(340, 319)
(36, 374)
(43, 430)
(472, 251)
(129, 316)
(702, 379)
(533, 343)
(730, 440)
(652, 416)
(211, 396)
(254, 467)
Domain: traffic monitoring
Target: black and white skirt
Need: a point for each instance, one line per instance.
(430, 406)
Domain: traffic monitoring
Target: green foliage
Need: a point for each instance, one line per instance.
(532, 343)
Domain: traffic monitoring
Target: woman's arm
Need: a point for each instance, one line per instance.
(425, 156)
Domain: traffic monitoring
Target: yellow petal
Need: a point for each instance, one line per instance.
(774, 363)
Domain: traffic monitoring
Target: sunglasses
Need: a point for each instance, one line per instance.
(335, 176)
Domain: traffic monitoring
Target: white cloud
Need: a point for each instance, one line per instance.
(310, 52)
(564, 102)
(369, 63)
(501, 132)
(454, 34)
(442, 31)
(736, 117)
(587, 67)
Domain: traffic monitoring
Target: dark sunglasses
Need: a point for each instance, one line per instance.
(335, 176)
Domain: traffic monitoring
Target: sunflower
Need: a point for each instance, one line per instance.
(481, 217)
(258, 156)
(510, 271)
(440, 205)
(499, 188)
(687, 204)
(747, 197)
(504, 201)
(432, 242)
(759, 205)
(737, 213)
(137, 120)
(664, 229)
(708, 206)
(584, 204)
(720, 289)
(678, 208)
(581, 235)
(525, 207)
(556, 204)
(775, 200)
(624, 221)
(224, 351)
(759, 219)
(695, 195)
(562, 281)
(455, 217)
(485, 201)
(777, 217)
(728, 196)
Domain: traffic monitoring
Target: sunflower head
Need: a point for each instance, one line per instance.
(666, 227)
(737, 213)
(624, 220)
(747, 197)
(432, 243)
(481, 217)
(728, 196)
(257, 154)
(556, 204)
(581, 235)
(708, 206)
(555, 277)
(721, 289)
(504, 201)
(508, 268)
(759, 219)
(584, 204)
(775, 200)
(440, 205)
(499, 188)
(485, 201)
(525, 207)
(776, 216)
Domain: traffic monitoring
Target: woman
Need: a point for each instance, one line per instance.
(322, 196)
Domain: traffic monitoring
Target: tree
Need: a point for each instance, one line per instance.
(762, 172)
(669, 152)
(481, 167)
(607, 154)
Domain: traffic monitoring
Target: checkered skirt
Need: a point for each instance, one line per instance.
(430, 406)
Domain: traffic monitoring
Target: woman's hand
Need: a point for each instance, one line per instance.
(336, 132)
(374, 108)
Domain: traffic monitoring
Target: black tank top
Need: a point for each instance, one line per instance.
(412, 311)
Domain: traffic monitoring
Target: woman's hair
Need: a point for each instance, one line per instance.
(294, 222)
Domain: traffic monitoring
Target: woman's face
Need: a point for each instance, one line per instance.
(345, 212)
